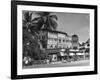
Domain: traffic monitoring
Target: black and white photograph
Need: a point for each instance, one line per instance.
(52, 40)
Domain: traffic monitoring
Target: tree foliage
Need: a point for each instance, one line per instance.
(31, 33)
(46, 21)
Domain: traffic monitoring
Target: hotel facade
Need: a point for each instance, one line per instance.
(56, 42)
(56, 39)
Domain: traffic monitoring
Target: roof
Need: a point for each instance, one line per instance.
(74, 35)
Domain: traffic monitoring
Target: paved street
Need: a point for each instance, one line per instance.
(60, 64)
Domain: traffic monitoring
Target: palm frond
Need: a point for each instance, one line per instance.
(36, 19)
(54, 17)
(43, 13)
(53, 24)
(30, 16)
(26, 16)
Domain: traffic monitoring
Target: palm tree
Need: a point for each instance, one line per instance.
(30, 39)
(31, 42)
(46, 21)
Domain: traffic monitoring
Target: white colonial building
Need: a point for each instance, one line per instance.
(57, 39)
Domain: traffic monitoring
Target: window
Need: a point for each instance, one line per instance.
(67, 40)
(59, 40)
(55, 39)
(51, 46)
(63, 40)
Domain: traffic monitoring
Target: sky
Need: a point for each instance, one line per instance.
(74, 23)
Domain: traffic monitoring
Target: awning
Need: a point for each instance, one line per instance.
(71, 54)
(52, 51)
(62, 50)
(73, 51)
(79, 53)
